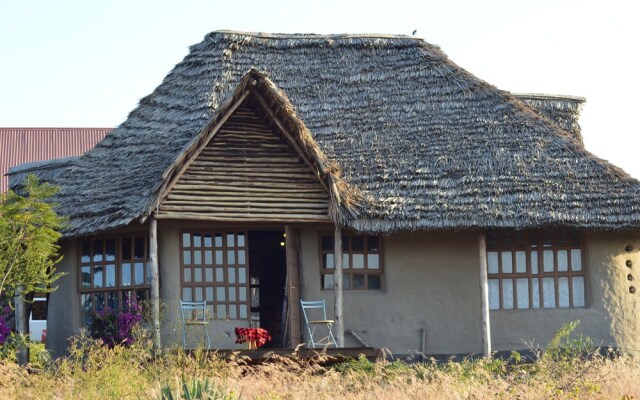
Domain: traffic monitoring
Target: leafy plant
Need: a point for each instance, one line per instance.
(197, 389)
(118, 328)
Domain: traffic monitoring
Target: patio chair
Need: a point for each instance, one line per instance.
(318, 324)
(194, 314)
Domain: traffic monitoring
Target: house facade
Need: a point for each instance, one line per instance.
(433, 212)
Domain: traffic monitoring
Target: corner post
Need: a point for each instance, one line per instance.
(155, 283)
(337, 286)
(293, 285)
(484, 296)
(22, 351)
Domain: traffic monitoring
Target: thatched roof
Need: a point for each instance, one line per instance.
(564, 111)
(428, 145)
(46, 170)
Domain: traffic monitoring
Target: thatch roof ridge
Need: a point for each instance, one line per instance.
(429, 144)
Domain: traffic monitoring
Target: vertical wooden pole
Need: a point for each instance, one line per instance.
(22, 351)
(484, 297)
(155, 283)
(293, 285)
(337, 287)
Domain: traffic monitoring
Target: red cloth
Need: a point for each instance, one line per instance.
(259, 335)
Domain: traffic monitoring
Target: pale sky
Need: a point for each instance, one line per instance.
(81, 63)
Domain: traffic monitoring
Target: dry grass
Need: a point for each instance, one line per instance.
(94, 371)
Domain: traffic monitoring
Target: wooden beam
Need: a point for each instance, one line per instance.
(20, 315)
(484, 296)
(293, 285)
(155, 283)
(337, 287)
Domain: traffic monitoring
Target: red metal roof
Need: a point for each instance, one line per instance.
(22, 145)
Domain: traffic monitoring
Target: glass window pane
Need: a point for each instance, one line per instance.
(139, 273)
(240, 238)
(373, 282)
(208, 275)
(97, 250)
(99, 299)
(208, 257)
(86, 251)
(345, 261)
(208, 242)
(110, 280)
(97, 276)
(358, 261)
(241, 257)
(126, 274)
(219, 260)
(522, 290)
(534, 262)
(86, 277)
(373, 261)
(358, 281)
(242, 275)
(494, 294)
(242, 293)
(576, 260)
(327, 281)
(231, 240)
(231, 257)
(243, 311)
(507, 294)
(209, 294)
(187, 294)
(112, 301)
(233, 311)
(219, 275)
(507, 262)
(327, 243)
(138, 248)
(492, 262)
(218, 240)
(148, 274)
(547, 260)
(110, 250)
(345, 281)
(186, 239)
(127, 249)
(186, 257)
(563, 261)
(548, 292)
(578, 291)
(232, 275)
(535, 293)
(221, 311)
(327, 261)
(197, 257)
(357, 243)
(232, 294)
(521, 262)
(221, 294)
(563, 291)
(86, 302)
(372, 244)
(197, 240)
(197, 274)
(199, 294)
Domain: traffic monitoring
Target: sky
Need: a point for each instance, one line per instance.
(86, 63)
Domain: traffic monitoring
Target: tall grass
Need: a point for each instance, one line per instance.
(569, 368)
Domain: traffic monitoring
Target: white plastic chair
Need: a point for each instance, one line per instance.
(194, 313)
(320, 323)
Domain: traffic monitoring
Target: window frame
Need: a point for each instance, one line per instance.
(350, 271)
(535, 241)
(212, 306)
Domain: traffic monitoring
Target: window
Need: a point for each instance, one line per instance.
(535, 269)
(361, 261)
(112, 268)
(214, 269)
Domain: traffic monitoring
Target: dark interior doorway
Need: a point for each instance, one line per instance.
(268, 269)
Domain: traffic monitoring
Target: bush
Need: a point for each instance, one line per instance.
(114, 328)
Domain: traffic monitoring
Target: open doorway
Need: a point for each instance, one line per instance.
(267, 270)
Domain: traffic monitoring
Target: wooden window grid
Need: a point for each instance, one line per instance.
(362, 263)
(112, 268)
(549, 256)
(214, 267)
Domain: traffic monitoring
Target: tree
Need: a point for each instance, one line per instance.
(29, 232)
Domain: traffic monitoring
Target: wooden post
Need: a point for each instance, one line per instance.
(155, 283)
(22, 351)
(293, 285)
(484, 297)
(337, 286)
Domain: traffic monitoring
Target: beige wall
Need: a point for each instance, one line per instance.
(430, 281)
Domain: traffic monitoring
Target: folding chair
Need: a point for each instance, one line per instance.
(194, 313)
(318, 310)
